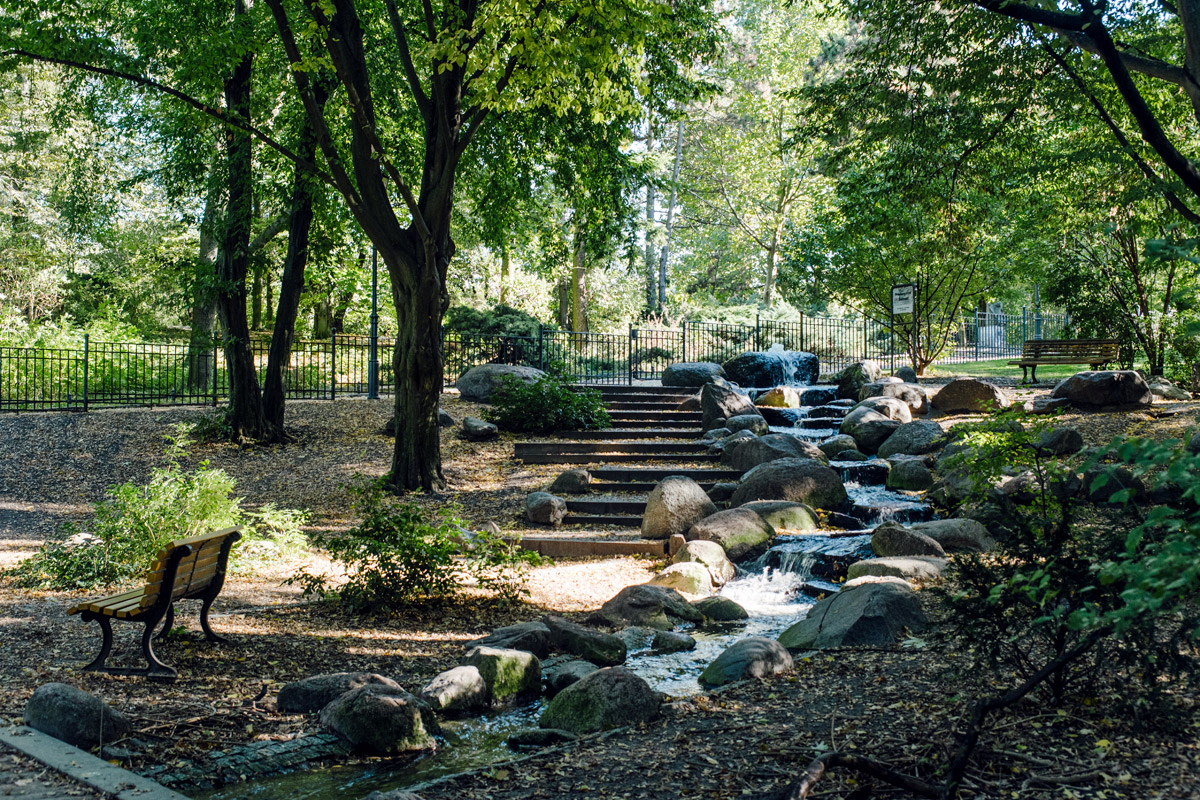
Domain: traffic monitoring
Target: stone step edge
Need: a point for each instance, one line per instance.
(582, 548)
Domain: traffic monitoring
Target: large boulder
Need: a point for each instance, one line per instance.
(646, 606)
(587, 643)
(74, 716)
(870, 614)
(912, 395)
(508, 674)
(607, 698)
(545, 509)
(1164, 389)
(572, 481)
(801, 480)
(851, 380)
(533, 637)
(772, 368)
(910, 568)
(381, 720)
(742, 533)
(686, 577)
(960, 535)
(562, 671)
(711, 556)
(906, 374)
(314, 693)
(1062, 441)
(869, 428)
(458, 689)
(481, 382)
(721, 609)
(752, 657)
(785, 515)
(970, 395)
(691, 374)
(892, 539)
(914, 439)
(837, 444)
(476, 430)
(675, 505)
(1105, 389)
(909, 475)
(750, 453)
(671, 642)
(890, 407)
(720, 402)
(780, 397)
(748, 422)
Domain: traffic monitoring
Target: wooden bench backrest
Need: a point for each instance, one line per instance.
(196, 570)
(1099, 349)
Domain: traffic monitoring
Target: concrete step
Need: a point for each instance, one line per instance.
(607, 506)
(617, 458)
(643, 422)
(633, 433)
(644, 475)
(658, 416)
(603, 519)
(656, 448)
(609, 390)
(640, 405)
(580, 548)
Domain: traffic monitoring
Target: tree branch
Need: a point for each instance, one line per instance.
(410, 70)
(273, 229)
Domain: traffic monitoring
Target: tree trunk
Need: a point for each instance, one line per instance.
(204, 297)
(256, 296)
(579, 285)
(769, 285)
(322, 326)
(505, 268)
(245, 415)
(563, 292)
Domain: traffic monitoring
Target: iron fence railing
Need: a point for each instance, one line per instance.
(178, 374)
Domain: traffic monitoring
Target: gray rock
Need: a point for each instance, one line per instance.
(818, 395)
(914, 439)
(1105, 389)
(785, 514)
(1060, 442)
(870, 614)
(1193, 445)
(381, 720)
(74, 716)
(1116, 478)
(674, 505)
(741, 532)
(691, 374)
(572, 481)
(587, 643)
(458, 689)
(539, 737)
(801, 480)
(890, 407)
(605, 699)
(851, 455)
(851, 380)
(690, 404)
(476, 430)
(312, 694)
(1047, 405)
(722, 402)
(716, 433)
(711, 556)
(772, 447)
(831, 447)
(445, 420)
(481, 382)
(508, 674)
(646, 606)
(752, 657)
(670, 642)
(910, 568)
(970, 395)
(561, 672)
(773, 368)
(909, 476)
(906, 374)
(720, 492)
(636, 638)
(869, 428)
(1163, 388)
(545, 509)
(394, 794)
(913, 395)
(687, 576)
(730, 442)
(780, 397)
(748, 422)
(533, 637)
(892, 539)
(720, 609)
(957, 535)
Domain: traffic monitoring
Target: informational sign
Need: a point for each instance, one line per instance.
(904, 298)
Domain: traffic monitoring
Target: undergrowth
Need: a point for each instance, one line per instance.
(551, 403)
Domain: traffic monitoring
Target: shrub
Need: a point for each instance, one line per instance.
(396, 557)
(551, 403)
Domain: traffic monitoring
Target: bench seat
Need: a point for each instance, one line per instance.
(1096, 353)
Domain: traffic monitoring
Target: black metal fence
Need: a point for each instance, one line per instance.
(177, 374)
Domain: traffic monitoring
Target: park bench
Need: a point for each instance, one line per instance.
(192, 568)
(1093, 352)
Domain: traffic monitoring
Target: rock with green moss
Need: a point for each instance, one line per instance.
(605, 699)
(508, 674)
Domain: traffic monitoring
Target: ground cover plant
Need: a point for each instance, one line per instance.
(550, 403)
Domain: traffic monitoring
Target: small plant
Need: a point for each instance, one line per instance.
(551, 403)
(501, 565)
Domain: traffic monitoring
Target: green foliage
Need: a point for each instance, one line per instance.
(136, 521)
(551, 403)
(396, 557)
(503, 320)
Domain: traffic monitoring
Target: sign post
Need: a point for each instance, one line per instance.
(904, 301)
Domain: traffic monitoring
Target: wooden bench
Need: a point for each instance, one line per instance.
(188, 568)
(1093, 352)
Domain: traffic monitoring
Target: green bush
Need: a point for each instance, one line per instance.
(502, 320)
(136, 521)
(551, 403)
(396, 557)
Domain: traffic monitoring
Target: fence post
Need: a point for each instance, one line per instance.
(864, 350)
(542, 347)
(214, 372)
(684, 345)
(977, 326)
(86, 352)
(801, 343)
(630, 351)
(332, 366)
(757, 332)
(1023, 329)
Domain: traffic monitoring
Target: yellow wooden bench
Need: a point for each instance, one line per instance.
(1093, 352)
(188, 568)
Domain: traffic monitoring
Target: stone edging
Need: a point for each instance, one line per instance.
(84, 767)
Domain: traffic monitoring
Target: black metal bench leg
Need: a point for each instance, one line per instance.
(168, 624)
(154, 667)
(209, 634)
(97, 664)
(1033, 373)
